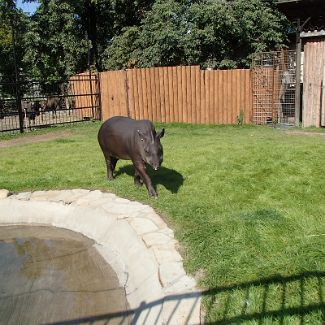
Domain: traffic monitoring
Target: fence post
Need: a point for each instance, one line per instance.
(99, 94)
(18, 97)
(298, 73)
(127, 93)
(91, 93)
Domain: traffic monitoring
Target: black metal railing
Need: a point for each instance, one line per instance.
(29, 104)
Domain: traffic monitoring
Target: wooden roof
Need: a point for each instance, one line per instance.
(311, 10)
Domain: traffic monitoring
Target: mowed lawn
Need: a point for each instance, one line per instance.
(247, 205)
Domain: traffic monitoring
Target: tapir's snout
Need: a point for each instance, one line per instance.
(155, 166)
(155, 162)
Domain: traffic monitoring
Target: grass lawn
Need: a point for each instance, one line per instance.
(247, 205)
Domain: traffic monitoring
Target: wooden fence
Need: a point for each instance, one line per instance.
(178, 94)
(84, 95)
(314, 80)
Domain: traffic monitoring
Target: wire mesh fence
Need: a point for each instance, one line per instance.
(274, 87)
(26, 104)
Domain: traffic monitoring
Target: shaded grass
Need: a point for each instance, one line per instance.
(246, 203)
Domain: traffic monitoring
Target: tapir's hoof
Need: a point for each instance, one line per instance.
(153, 193)
(138, 183)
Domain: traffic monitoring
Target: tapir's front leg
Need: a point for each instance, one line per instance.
(140, 170)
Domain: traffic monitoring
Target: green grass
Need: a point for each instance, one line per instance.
(246, 203)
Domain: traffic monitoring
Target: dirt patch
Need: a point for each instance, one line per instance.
(34, 139)
(306, 133)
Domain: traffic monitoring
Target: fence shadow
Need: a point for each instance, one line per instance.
(275, 298)
(169, 178)
(294, 296)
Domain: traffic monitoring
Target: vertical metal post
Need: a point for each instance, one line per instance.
(298, 73)
(91, 93)
(17, 84)
(99, 94)
(275, 117)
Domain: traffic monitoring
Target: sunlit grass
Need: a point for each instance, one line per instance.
(246, 203)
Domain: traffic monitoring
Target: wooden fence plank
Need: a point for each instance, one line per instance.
(203, 97)
(179, 94)
(112, 95)
(162, 94)
(249, 103)
(314, 62)
(232, 99)
(183, 94)
(239, 93)
(193, 94)
(175, 97)
(169, 118)
(214, 95)
(136, 94)
(197, 95)
(223, 89)
(139, 93)
(157, 90)
(188, 96)
(207, 95)
(144, 94)
(152, 107)
(130, 93)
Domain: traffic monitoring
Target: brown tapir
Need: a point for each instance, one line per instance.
(124, 138)
(53, 104)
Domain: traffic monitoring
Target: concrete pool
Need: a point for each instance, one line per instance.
(52, 275)
(128, 236)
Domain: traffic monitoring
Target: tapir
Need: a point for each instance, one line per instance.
(124, 138)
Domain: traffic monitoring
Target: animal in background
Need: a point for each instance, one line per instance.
(30, 111)
(2, 109)
(53, 104)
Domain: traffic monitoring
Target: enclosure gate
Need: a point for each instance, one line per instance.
(274, 86)
(26, 105)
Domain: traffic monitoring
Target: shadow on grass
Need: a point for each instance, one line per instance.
(279, 299)
(275, 298)
(169, 178)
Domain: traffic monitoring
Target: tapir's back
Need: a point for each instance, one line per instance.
(118, 136)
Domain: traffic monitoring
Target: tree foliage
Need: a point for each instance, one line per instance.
(215, 33)
(13, 24)
(54, 42)
(62, 37)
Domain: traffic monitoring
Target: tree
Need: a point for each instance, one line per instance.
(215, 33)
(98, 21)
(55, 44)
(12, 27)
(123, 53)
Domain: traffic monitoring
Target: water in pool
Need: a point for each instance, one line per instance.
(52, 275)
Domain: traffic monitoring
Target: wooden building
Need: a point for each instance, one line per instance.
(309, 19)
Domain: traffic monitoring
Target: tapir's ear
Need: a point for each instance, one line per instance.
(161, 133)
(141, 135)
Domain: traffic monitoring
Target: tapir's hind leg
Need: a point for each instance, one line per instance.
(137, 178)
(110, 164)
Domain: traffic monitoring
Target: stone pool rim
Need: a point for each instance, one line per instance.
(130, 236)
